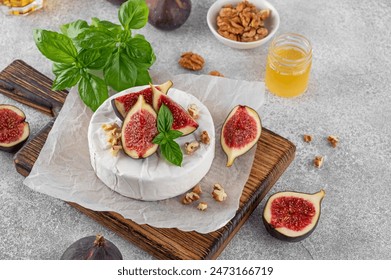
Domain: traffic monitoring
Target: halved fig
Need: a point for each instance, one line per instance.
(183, 122)
(14, 131)
(292, 216)
(138, 130)
(122, 104)
(241, 131)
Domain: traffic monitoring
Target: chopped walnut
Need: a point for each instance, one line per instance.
(244, 23)
(191, 61)
(333, 140)
(307, 138)
(216, 73)
(202, 206)
(193, 111)
(113, 134)
(204, 138)
(191, 147)
(318, 161)
(190, 197)
(218, 193)
(115, 149)
(197, 189)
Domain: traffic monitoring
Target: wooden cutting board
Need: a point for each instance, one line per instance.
(273, 155)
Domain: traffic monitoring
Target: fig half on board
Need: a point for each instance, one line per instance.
(14, 131)
(292, 216)
(241, 131)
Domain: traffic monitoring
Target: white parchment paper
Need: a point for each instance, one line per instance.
(63, 169)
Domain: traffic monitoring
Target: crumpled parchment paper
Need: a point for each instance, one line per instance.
(63, 169)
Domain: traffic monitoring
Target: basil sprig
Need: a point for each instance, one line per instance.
(99, 55)
(165, 139)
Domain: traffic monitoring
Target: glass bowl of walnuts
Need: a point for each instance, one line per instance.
(243, 24)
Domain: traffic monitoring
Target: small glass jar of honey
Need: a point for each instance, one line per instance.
(288, 65)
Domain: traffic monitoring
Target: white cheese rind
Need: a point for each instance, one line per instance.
(152, 178)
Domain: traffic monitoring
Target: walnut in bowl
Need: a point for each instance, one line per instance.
(243, 24)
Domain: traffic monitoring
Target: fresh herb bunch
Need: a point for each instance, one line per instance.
(165, 139)
(83, 53)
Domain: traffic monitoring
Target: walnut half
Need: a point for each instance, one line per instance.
(113, 134)
(218, 193)
(191, 61)
(190, 197)
(202, 206)
(333, 140)
(318, 161)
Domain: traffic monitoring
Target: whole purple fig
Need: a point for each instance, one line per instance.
(168, 14)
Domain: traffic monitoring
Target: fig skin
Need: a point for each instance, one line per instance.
(16, 145)
(315, 198)
(168, 14)
(92, 248)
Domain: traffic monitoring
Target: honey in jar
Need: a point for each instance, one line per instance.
(288, 65)
(22, 7)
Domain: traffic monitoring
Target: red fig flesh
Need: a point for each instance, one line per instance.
(292, 216)
(122, 104)
(92, 248)
(241, 131)
(183, 122)
(139, 128)
(14, 131)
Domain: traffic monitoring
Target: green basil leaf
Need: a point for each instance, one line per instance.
(133, 14)
(66, 78)
(88, 56)
(57, 68)
(140, 50)
(55, 46)
(92, 90)
(172, 152)
(112, 27)
(73, 29)
(96, 38)
(143, 77)
(120, 72)
(164, 119)
(173, 134)
(101, 62)
(160, 138)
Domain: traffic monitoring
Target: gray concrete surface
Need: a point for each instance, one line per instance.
(349, 96)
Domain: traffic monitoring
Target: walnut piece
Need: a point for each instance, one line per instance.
(218, 193)
(191, 61)
(333, 140)
(307, 138)
(318, 161)
(202, 206)
(197, 189)
(113, 134)
(244, 23)
(190, 197)
(204, 138)
(216, 73)
(191, 147)
(193, 111)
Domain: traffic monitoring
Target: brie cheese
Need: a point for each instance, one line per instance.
(152, 178)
